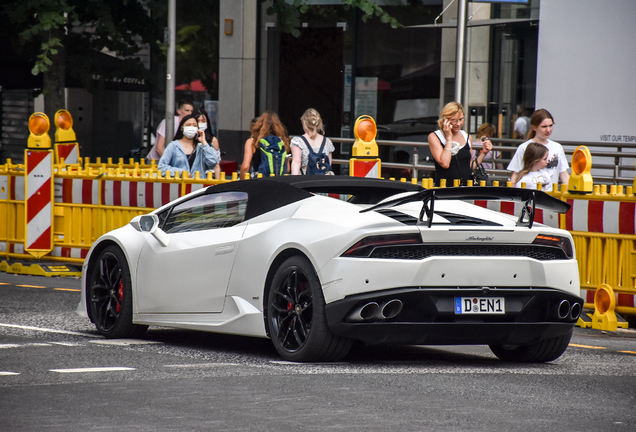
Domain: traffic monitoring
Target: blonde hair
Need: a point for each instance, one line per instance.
(312, 121)
(450, 110)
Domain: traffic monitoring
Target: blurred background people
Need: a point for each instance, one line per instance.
(485, 132)
(204, 125)
(314, 128)
(267, 125)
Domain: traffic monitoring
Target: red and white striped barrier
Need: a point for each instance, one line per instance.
(12, 248)
(609, 217)
(68, 152)
(77, 191)
(138, 193)
(39, 205)
(626, 300)
(14, 187)
(545, 217)
(4, 187)
(191, 187)
(365, 168)
(69, 252)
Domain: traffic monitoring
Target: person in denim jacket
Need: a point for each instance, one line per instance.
(189, 151)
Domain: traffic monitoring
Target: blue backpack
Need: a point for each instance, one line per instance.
(317, 162)
(273, 156)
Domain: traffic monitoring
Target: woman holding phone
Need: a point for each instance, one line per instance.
(189, 151)
(451, 147)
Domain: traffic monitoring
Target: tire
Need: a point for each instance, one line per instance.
(296, 317)
(541, 352)
(110, 295)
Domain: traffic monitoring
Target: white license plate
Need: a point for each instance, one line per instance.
(479, 305)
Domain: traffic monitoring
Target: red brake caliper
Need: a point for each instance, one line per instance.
(120, 294)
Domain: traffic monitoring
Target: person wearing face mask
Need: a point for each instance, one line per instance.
(184, 108)
(204, 124)
(189, 151)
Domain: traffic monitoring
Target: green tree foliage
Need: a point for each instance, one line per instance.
(197, 43)
(289, 13)
(62, 37)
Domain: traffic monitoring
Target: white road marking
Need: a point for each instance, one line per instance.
(50, 330)
(124, 342)
(183, 366)
(102, 369)
(284, 362)
(34, 344)
(68, 344)
(8, 373)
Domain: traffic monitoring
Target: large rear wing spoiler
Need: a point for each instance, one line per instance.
(531, 199)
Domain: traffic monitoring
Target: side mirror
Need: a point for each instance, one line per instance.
(150, 224)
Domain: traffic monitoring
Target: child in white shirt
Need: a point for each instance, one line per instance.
(535, 161)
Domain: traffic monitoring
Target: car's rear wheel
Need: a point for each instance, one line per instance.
(110, 295)
(296, 315)
(540, 352)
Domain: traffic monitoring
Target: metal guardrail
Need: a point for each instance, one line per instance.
(613, 163)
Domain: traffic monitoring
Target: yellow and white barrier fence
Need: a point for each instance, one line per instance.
(87, 203)
(93, 198)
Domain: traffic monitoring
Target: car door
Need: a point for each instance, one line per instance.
(191, 273)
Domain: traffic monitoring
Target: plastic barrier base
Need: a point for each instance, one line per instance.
(585, 320)
(41, 269)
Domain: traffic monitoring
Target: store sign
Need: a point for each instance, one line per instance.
(366, 97)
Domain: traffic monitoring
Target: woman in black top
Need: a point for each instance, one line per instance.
(451, 147)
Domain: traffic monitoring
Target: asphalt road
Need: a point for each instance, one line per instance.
(58, 374)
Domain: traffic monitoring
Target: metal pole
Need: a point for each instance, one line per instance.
(462, 6)
(170, 67)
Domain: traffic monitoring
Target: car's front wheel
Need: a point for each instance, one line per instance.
(296, 315)
(110, 295)
(540, 352)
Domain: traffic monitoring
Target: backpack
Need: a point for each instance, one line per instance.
(317, 162)
(273, 156)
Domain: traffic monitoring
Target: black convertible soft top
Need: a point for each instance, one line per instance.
(267, 194)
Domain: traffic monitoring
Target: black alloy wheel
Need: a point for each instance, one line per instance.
(296, 315)
(110, 295)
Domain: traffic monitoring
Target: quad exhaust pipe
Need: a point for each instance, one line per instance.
(364, 312)
(390, 309)
(372, 311)
(567, 310)
(564, 309)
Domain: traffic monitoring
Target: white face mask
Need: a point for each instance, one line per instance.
(203, 126)
(190, 131)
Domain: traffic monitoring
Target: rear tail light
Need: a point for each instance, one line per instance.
(563, 243)
(365, 247)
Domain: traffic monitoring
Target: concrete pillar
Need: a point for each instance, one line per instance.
(476, 60)
(237, 74)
